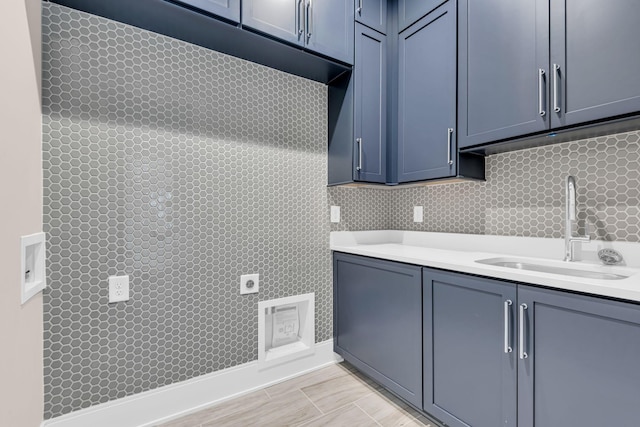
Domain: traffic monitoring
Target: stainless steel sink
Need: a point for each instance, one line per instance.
(551, 267)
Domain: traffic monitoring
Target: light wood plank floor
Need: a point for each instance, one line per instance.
(334, 396)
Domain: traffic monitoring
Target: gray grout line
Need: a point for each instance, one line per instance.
(312, 402)
(365, 412)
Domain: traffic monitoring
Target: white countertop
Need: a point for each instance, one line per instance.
(459, 252)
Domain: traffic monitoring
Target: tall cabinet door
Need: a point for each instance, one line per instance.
(503, 69)
(581, 363)
(372, 13)
(595, 59)
(427, 97)
(229, 9)
(470, 377)
(329, 28)
(378, 321)
(370, 105)
(283, 19)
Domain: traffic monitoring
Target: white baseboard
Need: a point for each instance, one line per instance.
(176, 400)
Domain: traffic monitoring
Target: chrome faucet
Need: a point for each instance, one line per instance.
(570, 217)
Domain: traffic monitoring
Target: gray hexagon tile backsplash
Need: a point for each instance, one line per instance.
(185, 168)
(524, 193)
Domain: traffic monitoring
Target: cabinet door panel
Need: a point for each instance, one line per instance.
(370, 105)
(595, 44)
(502, 46)
(377, 321)
(469, 379)
(427, 97)
(372, 13)
(280, 18)
(330, 28)
(229, 9)
(409, 11)
(582, 364)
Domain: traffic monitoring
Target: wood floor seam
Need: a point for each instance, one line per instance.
(335, 396)
(367, 414)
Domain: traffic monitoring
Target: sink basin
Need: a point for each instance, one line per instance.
(586, 271)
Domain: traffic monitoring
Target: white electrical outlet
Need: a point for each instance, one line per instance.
(118, 288)
(418, 214)
(335, 214)
(249, 284)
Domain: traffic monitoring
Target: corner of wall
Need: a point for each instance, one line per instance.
(21, 328)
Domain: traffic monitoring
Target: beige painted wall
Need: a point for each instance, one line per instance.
(21, 393)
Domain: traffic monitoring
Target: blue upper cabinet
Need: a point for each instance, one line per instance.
(427, 97)
(322, 26)
(595, 61)
(409, 11)
(284, 19)
(228, 9)
(503, 69)
(329, 28)
(370, 113)
(372, 13)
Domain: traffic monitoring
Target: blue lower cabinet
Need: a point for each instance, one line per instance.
(479, 352)
(378, 321)
(582, 361)
(470, 377)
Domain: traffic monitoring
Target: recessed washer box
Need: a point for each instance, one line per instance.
(286, 329)
(32, 265)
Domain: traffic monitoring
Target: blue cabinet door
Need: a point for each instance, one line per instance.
(503, 75)
(378, 321)
(409, 11)
(372, 13)
(284, 19)
(427, 97)
(329, 28)
(370, 114)
(228, 9)
(581, 365)
(322, 26)
(595, 60)
(470, 377)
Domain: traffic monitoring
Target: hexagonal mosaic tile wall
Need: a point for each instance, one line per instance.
(524, 193)
(183, 168)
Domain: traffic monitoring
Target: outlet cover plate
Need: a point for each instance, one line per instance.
(335, 214)
(418, 213)
(244, 279)
(118, 288)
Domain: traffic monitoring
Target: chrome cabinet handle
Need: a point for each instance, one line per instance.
(507, 326)
(449, 133)
(541, 74)
(523, 354)
(359, 9)
(300, 19)
(359, 142)
(309, 20)
(556, 94)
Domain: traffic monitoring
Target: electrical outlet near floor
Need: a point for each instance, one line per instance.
(118, 288)
(249, 283)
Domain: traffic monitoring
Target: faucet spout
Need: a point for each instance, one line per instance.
(570, 218)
